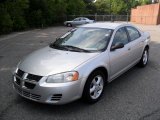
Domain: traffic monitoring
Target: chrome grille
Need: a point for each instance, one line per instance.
(29, 80)
(18, 81)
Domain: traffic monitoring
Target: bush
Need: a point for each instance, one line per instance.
(19, 23)
(6, 23)
(36, 19)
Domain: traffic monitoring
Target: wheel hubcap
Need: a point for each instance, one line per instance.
(145, 57)
(96, 87)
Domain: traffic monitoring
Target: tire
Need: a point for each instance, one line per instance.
(69, 25)
(144, 59)
(94, 87)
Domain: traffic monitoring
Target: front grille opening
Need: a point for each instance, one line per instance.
(27, 94)
(20, 73)
(18, 90)
(34, 77)
(29, 85)
(56, 97)
(18, 81)
(31, 96)
(36, 97)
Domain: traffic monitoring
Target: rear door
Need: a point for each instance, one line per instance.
(136, 43)
(119, 58)
(77, 21)
(83, 21)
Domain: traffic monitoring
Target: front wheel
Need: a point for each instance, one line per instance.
(94, 87)
(144, 59)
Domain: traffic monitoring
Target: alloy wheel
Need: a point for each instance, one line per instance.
(96, 87)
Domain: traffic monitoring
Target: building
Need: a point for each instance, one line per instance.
(146, 14)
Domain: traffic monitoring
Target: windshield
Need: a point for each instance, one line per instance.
(84, 39)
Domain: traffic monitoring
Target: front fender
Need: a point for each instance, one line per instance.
(85, 69)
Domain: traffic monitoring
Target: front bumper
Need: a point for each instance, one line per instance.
(50, 93)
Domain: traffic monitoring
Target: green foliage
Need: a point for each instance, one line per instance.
(144, 2)
(111, 7)
(36, 19)
(21, 14)
(17, 9)
(118, 7)
(103, 6)
(75, 7)
(6, 23)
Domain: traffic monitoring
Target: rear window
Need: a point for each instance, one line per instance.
(133, 33)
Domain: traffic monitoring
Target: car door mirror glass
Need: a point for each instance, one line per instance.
(117, 46)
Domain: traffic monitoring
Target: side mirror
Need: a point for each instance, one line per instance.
(117, 46)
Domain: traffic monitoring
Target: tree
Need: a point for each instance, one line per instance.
(6, 23)
(20, 14)
(144, 2)
(17, 9)
(76, 7)
(103, 6)
(118, 7)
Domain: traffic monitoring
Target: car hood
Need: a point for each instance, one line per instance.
(48, 61)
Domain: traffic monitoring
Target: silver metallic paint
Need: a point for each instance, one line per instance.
(48, 61)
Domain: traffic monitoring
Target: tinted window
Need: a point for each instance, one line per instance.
(120, 37)
(133, 33)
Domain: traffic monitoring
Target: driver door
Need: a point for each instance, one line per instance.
(119, 58)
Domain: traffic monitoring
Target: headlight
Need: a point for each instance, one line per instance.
(63, 77)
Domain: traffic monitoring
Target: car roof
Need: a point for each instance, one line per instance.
(81, 17)
(107, 25)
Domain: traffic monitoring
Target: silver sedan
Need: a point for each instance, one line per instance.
(78, 21)
(79, 63)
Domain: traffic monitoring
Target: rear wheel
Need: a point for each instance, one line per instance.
(69, 25)
(144, 59)
(94, 87)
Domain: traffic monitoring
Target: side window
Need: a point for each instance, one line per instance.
(80, 19)
(133, 33)
(120, 37)
(77, 19)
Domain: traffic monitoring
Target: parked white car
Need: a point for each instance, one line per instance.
(78, 64)
(78, 21)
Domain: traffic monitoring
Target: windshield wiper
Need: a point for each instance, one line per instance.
(57, 46)
(68, 47)
(73, 48)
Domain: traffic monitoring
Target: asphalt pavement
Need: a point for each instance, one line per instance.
(133, 96)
